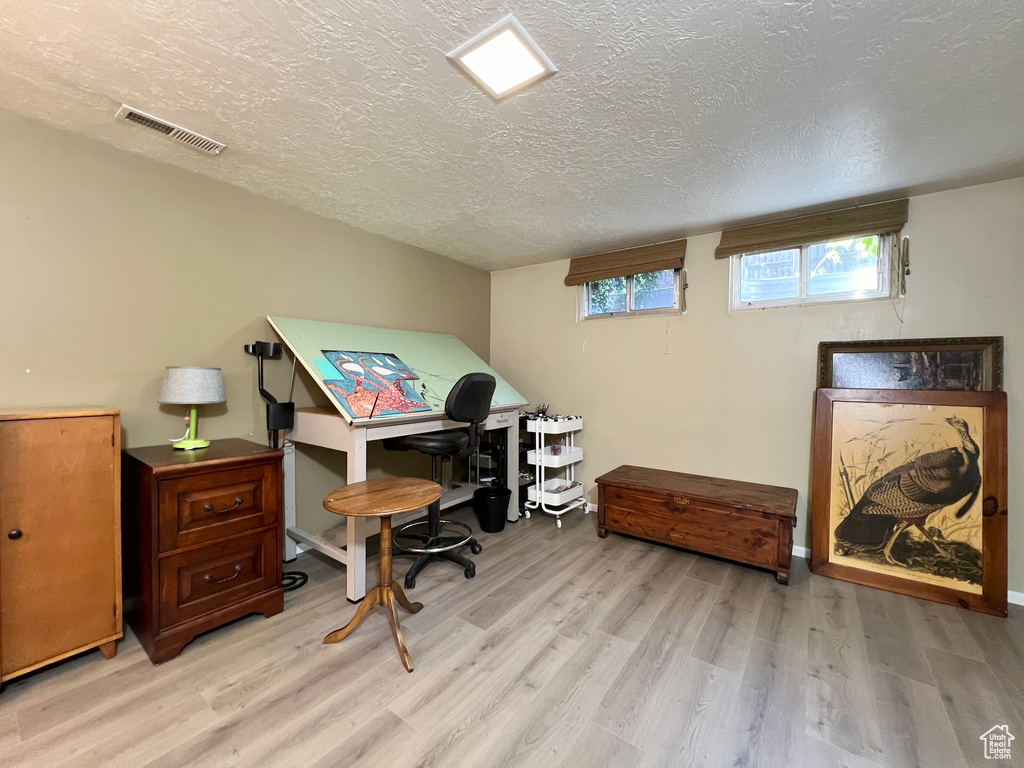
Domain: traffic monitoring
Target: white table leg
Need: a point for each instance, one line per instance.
(356, 528)
(512, 469)
(288, 551)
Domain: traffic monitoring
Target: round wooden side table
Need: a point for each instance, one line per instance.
(382, 497)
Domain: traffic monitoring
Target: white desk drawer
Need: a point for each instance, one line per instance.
(502, 420)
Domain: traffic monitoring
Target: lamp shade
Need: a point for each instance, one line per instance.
(192, 386)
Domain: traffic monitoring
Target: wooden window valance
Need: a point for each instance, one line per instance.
(878, 219)
(629, 261)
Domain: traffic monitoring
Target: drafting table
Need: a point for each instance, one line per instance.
(439, 360)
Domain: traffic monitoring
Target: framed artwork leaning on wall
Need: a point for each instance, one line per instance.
(973, 363)
(909, 493)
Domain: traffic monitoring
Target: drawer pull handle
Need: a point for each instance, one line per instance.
(208, 507)
(14, 535)
(209, 578)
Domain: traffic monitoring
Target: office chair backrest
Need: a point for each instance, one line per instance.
(470, 398)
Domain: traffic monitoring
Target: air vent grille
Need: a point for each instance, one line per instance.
(170, 130)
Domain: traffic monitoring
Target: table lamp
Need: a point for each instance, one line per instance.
(192, 387)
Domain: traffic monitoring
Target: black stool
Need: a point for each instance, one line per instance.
(437, 539)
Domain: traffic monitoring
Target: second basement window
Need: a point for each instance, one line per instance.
(649, 293)
(852, 269)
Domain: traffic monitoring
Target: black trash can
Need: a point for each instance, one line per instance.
(491, 506)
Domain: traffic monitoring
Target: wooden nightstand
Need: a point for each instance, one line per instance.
(202, 539)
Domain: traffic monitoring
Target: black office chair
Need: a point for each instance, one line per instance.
(470, 402)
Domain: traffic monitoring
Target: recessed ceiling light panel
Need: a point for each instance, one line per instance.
(503, 59)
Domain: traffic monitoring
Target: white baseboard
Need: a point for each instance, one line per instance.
(1017, 598)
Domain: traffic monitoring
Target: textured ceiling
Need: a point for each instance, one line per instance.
(665, 118)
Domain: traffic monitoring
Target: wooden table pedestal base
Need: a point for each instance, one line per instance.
(387, 593)
(382, 498)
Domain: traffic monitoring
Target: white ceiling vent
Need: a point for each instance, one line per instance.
(170, 130)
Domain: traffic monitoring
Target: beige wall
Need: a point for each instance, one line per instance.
(731, 395)
(113, 267)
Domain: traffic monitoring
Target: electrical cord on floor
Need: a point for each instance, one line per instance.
(292, 580)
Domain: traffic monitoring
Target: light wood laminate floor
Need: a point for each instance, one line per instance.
(565, 650)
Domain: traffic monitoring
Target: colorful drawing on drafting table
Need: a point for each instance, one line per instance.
(371, 383)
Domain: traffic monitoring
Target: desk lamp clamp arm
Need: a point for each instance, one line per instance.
(279, 415)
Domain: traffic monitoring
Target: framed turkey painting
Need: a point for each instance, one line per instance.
(909, 493)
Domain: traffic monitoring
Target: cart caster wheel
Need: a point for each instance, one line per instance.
(527, 513)
(410, 582)
(475, 548)
(470, 573)
(558, 522)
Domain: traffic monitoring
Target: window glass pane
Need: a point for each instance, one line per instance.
(606, 296)
(654, 290)
(767, 276)
(843, 266)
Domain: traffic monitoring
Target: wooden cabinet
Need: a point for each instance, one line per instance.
(746, 522)
(202, 539)
(60, 536)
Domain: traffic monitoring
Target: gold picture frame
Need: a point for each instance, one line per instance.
(909, 493)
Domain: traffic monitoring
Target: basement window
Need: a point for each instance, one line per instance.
(851, 269)
(649, 293)
(852, 254)
(646, 280)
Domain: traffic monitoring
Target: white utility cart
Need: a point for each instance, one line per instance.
(555, 456)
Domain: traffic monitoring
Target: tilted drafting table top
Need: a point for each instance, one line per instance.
(438, 361)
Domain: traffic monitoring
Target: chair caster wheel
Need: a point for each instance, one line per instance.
(410, 582)
(475, 548)
(470, 573)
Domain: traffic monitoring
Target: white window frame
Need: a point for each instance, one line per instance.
(677, 308)
(887, 272)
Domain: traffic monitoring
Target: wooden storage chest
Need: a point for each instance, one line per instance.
(746, 522)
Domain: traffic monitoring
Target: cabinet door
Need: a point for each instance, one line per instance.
(59, 581)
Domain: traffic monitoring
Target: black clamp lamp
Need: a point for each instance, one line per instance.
(279, 415)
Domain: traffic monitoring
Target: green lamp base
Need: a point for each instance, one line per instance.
(190, 445)
(191, 442)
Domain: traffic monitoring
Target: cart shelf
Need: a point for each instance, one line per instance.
(556, 493)
(564, 456)
(555, 425)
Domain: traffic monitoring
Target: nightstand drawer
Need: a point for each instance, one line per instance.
(202, 580)
(209, 506)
